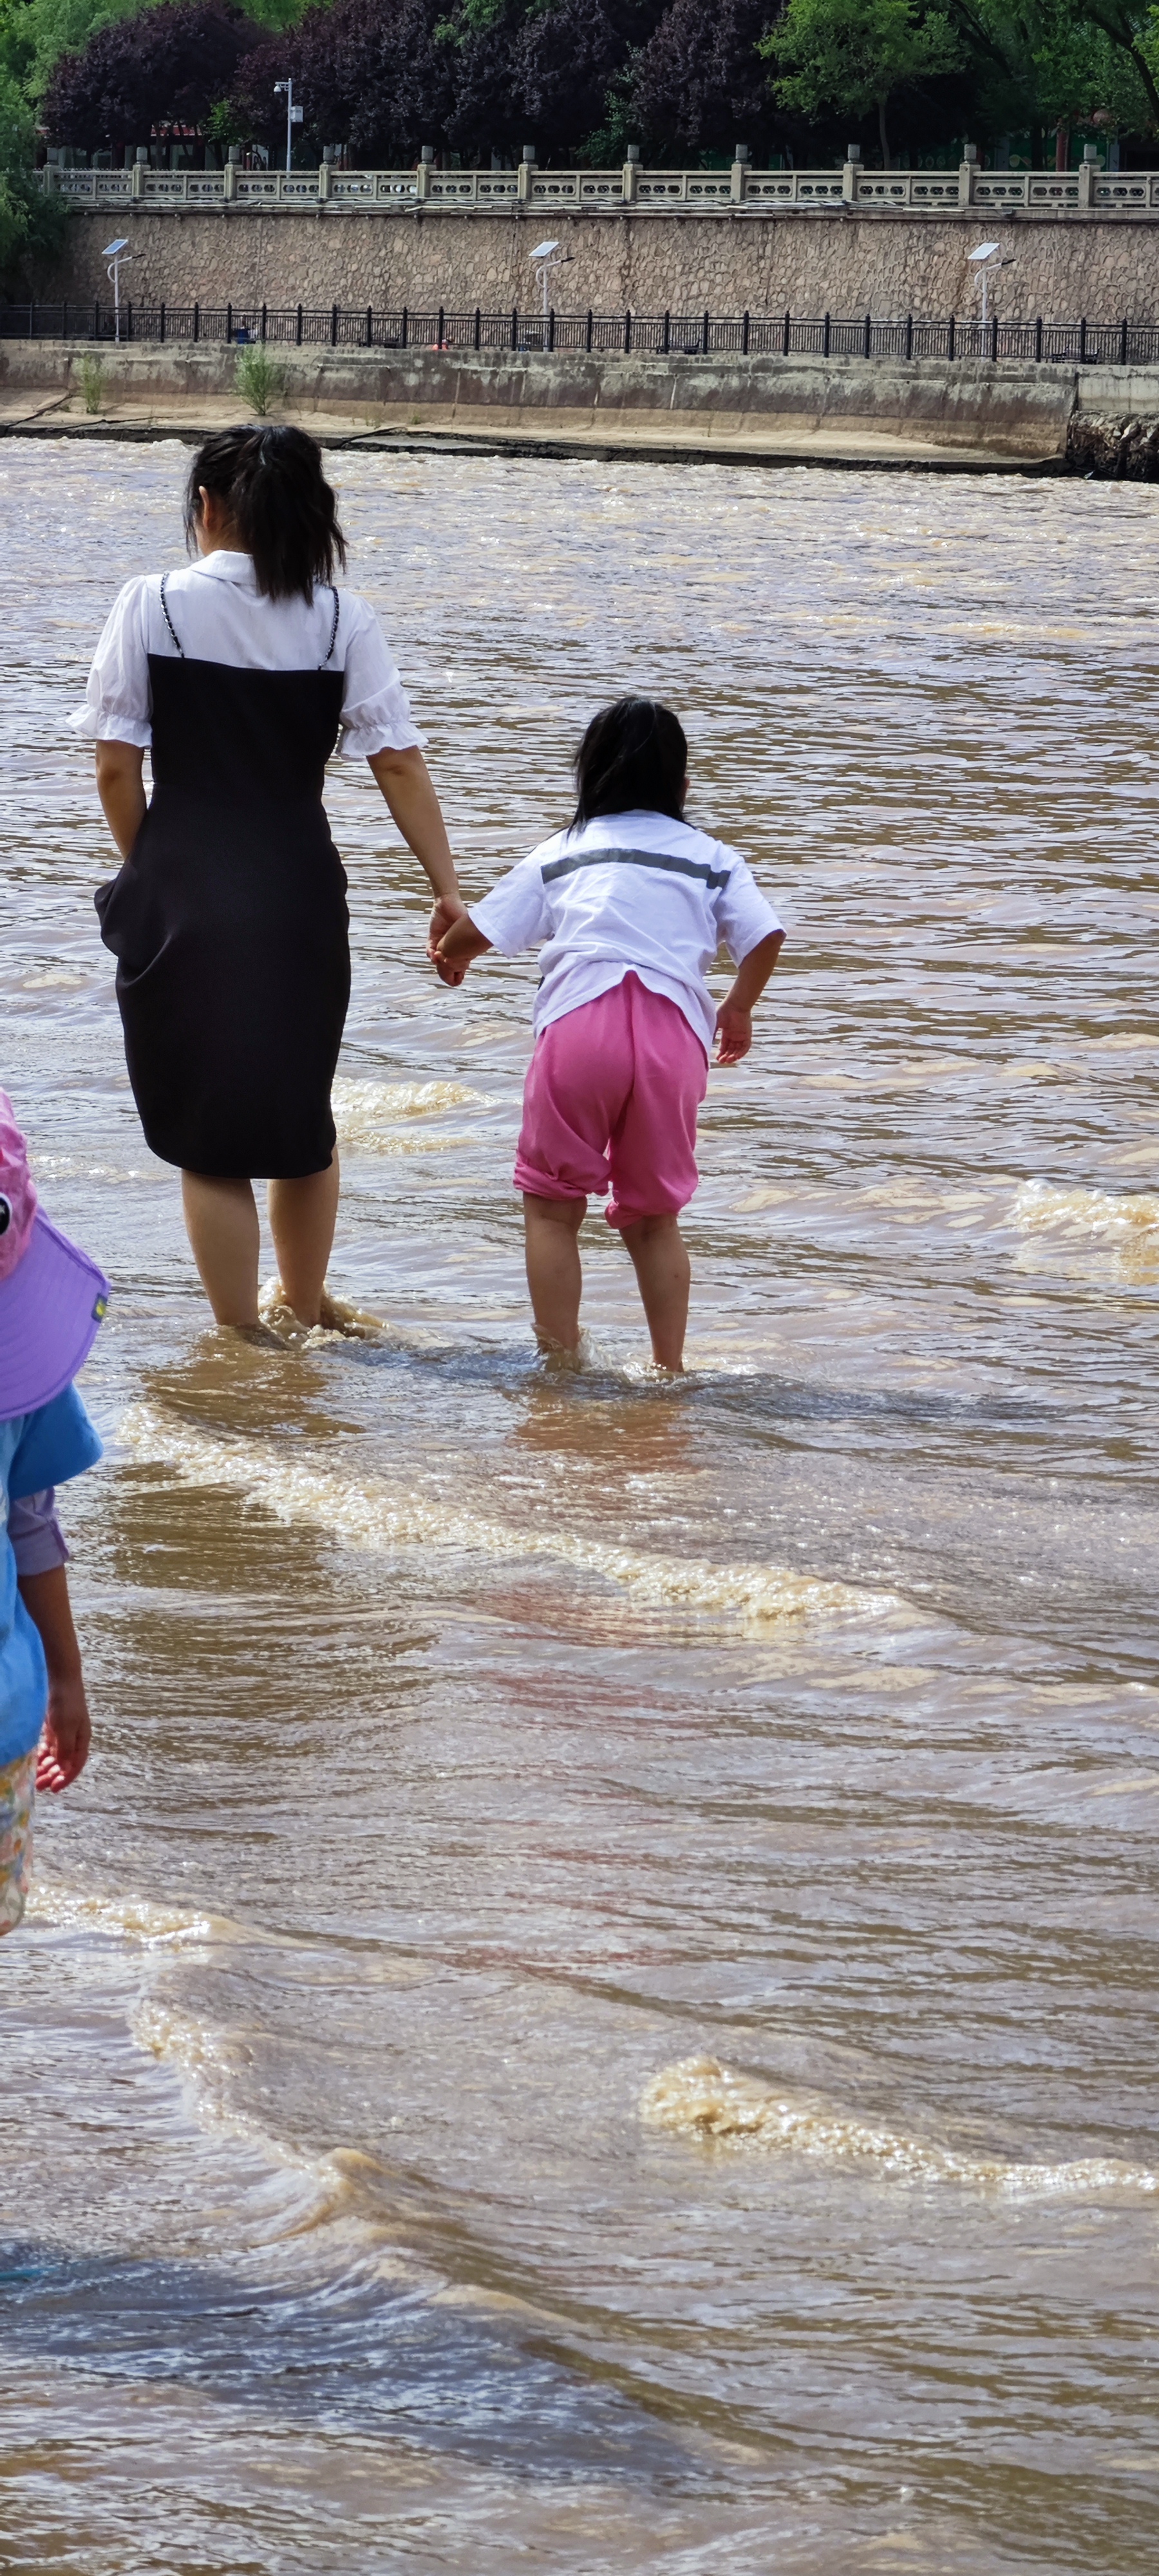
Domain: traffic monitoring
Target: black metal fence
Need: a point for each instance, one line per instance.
(335, 326)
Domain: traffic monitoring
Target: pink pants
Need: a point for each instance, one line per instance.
(611, 1098)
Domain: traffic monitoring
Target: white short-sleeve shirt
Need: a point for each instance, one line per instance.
(628, 894)
(219, 615)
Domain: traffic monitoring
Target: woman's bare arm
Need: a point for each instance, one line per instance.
(121, 789)
(409, 790)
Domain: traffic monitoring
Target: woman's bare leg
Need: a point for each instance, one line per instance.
(221, 1221)
(663, 1278)
(554, 1276)
(302, 1217)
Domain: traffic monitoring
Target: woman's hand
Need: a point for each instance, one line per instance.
(449, 909)
(67, 1733)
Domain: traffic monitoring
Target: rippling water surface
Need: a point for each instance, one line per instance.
(593, 2008)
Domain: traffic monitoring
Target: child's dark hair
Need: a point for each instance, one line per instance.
(280, 502)
(633, 758)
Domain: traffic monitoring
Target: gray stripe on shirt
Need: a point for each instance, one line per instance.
(662, 859)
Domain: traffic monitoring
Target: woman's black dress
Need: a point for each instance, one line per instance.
(228, 921)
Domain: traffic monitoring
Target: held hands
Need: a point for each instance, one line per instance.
(67, 1730)
(447, 911)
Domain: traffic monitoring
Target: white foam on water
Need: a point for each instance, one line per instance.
(365, 1513)
(367, 1113)
(699, 2098)
(1124, 1218)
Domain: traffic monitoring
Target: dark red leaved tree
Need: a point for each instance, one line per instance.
(154, 75)
(699, 84)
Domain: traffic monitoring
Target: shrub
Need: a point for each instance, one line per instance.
(92, 383)
(260, 380)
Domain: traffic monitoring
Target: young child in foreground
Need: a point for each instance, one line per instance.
(632, 905)
(52, 1298)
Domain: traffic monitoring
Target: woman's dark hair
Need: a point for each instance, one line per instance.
(280, 502)
(634, 756)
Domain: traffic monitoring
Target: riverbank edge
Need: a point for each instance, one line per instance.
(972, 416)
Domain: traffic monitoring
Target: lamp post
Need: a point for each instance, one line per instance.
(545, 256)
(115, 253)
(985, 261)
(285, 89)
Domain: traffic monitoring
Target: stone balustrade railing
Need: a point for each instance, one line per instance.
(934, 192)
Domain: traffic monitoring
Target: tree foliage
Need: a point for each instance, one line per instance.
(854, 55)
(31, 225)
(699, 84)
(159, 74)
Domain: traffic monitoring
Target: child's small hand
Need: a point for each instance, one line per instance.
(734, 1033)
(447, 972)
(64, 1746)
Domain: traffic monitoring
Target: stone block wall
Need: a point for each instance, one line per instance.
(809, 260)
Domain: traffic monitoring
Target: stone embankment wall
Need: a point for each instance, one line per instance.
(1011, 411)
(810, 260)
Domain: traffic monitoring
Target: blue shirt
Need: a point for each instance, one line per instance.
(37, 1449)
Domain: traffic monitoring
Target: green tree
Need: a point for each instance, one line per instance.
(31, 224)
(854, 55)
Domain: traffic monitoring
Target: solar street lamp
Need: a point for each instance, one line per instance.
(116, 253)
(548, 255)
(985, 262)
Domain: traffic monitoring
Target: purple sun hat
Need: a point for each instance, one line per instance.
(52, 1297)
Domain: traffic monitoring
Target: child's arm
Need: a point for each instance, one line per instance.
(734, 1020)
(67, 1730)
(456, 949)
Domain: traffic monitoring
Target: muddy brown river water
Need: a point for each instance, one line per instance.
(593, 2010)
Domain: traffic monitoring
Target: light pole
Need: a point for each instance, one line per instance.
(293, 117)
(544, 255)
(114, 252)
(985, 262)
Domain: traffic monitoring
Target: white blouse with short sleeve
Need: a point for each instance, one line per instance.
(219, 615)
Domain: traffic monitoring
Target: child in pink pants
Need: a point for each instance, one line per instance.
(632, 905)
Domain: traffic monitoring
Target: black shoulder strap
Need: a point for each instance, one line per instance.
(333, 631)
(168, 620)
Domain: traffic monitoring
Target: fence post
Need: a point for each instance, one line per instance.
(1038, 341)
(868, 336)
(744, 337)
(588, 343)
(130, 317)
(478, 328)
(369, 321)
(229, 322)
(825, 339)
(704, 338)
(667, 341)
(785, 341)
(404, 326)
(994, 337)
(333, 326)
(627, 334)
(551, 327)
(298, 329)
(161, 322)
(909, 335)
(952, 337)
(439, 340)
(1083, 341)
(1123, 343)
(197, 321)
(263, 326)
(515, 326)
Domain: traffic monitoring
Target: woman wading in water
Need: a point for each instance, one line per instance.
(228, 919)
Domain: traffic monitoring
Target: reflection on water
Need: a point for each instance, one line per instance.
(590, 2009)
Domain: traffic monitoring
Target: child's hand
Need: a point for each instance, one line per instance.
(64, 1746)
(734, 1033)
(449, 971)
(449, 909)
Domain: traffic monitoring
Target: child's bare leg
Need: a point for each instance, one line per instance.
(554, 1276)
(302, 1216)
(221, 1221)
(663, 1277)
